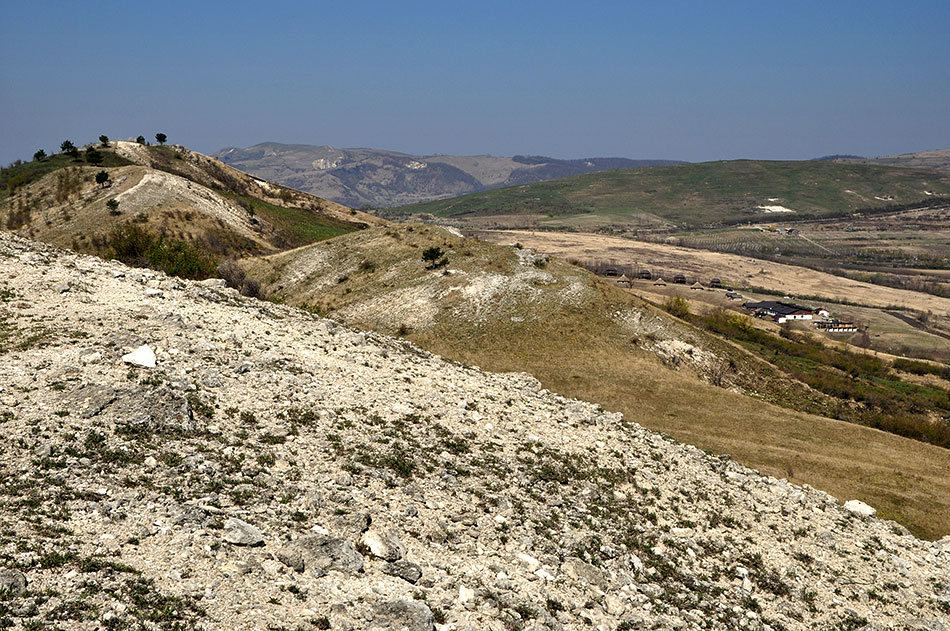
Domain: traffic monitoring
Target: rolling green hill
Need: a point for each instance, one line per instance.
(694, 194)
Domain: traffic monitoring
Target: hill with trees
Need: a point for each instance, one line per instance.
(155, 202)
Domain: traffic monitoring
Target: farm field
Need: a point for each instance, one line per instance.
(909, 249)
(741, 272)
(888, 333)
(867, 303)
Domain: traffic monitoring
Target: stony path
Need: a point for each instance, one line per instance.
(274, 470)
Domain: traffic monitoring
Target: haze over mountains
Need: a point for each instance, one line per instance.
(375, 177)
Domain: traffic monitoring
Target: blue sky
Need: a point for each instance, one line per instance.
(684, 80)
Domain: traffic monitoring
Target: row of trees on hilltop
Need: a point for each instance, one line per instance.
(92, 155)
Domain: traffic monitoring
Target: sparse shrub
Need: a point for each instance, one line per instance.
(113, 206)
(39, 156)
(435, 257)
(104, 140)
(101, 178)
(236, 278)
(135, 246)
(140, 140)
(93, 155)
(677, 306)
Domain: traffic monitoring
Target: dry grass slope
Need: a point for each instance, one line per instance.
(506, 309)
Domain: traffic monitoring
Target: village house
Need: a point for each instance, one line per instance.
(780, 311)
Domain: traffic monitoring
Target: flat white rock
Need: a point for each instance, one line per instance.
(142, 356)
(859, 508)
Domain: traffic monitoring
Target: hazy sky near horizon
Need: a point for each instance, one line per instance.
(681, 80)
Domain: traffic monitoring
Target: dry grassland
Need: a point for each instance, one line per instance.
(737, 271)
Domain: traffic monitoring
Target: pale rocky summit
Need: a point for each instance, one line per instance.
(384, 487)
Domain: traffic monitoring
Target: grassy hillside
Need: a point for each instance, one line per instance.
(693, 194)
(164, 192)
(17, 176)
(509, 309)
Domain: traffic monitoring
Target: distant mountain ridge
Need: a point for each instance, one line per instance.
(374, 177)
(939, 159)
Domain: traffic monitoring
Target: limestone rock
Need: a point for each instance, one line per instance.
(405, 570)
(241, 533)
(12, 582)
(142, 356)
(402, 615)
(382, 546)
(859, 508)
(318, 554)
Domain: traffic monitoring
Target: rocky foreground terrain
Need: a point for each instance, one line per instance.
(176, 456)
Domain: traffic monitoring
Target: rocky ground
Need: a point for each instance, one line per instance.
(176, 456)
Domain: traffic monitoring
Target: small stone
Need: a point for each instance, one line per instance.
(142, 356)
(241, 533)
(403, 569)
(859, 508)
(12, 582)
(466, 594)
(387, 548)
(151, 462)
(402, 615)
